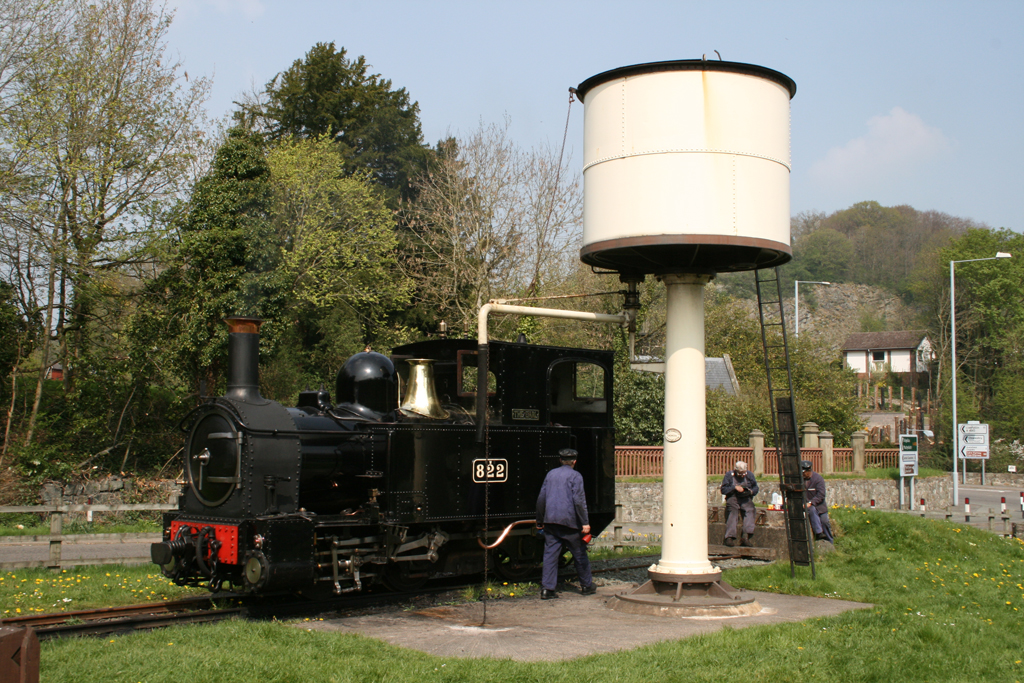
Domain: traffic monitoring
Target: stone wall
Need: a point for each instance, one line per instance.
(1015, 480)
(112, 490)
(642, 502)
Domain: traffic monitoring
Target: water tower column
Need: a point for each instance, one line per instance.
(684, 539)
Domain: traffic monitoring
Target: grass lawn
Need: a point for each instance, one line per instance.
(949, 607)
(35, 591)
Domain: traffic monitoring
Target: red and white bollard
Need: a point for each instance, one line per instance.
(922, 507)
(967, 509)
(1022, 504)
(872, 503)
(1002, 506)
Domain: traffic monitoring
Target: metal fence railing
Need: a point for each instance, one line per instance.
(646, 461)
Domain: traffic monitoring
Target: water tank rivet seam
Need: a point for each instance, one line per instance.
(687, 151)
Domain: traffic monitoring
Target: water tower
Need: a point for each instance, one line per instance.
(686, 174)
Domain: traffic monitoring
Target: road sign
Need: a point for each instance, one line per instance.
(973, 428)
(908, 455)
(972, 441)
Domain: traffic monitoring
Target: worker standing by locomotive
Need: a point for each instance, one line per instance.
(562, 515)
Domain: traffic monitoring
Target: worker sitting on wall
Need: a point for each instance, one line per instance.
(739, 488)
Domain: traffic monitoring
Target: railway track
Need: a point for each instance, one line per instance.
(119, 620)
(124, 619)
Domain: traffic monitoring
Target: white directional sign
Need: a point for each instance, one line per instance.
(972, 440)
(908, 455)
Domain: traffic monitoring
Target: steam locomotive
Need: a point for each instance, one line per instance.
(412, 474)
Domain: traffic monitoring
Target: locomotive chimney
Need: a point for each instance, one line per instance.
(244, 358)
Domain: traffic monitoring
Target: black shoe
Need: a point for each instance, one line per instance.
(545, 594)
(819, 537)
(746, 541)
(588, 590)
(731, 542)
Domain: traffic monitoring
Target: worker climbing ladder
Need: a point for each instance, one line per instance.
(780, 396)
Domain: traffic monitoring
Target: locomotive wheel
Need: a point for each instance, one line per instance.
(255, 570)
(519, 558)
(405, 577)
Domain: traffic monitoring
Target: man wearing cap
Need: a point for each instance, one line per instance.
(739, 488)
(814, 495)
(562, 515)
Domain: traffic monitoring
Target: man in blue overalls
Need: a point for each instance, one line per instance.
(817, 509)
(562, 514)
(739, 488)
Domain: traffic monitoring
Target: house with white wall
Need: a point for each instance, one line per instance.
(908, 353)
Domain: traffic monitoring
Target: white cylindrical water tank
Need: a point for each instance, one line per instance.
(686, 167)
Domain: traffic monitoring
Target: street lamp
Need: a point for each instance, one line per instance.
(952, 345)
(796, 297)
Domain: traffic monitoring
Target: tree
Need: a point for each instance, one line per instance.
(490, 220)
(377, 129)
(281, 232)
(222, 263)
(989, 329)
(339, 260)
(107, 135)
(826, 255)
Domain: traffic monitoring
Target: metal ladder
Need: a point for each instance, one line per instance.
(780, 396)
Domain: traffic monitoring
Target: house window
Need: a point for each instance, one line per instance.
(878, 356)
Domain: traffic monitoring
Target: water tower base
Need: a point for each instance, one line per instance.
(680, 595)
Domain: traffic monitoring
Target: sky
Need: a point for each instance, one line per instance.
(900, 102)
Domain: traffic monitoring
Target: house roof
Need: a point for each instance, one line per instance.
(867, 341)
(718, 372)
(718, 375)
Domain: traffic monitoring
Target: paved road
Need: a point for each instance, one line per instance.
(985, 498)
(133, 552)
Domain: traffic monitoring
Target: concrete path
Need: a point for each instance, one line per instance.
(530, 629)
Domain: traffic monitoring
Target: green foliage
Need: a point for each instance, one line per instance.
(15, 335)
(639, 407)
(337, 237)
(827, 255)
(989, 330)
(224, 265)
(825, 389)
(285, 234)
(376, 129)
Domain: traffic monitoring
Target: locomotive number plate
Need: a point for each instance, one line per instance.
(525, 414)
(493, 471)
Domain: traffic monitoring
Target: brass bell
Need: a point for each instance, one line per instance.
(420, 395)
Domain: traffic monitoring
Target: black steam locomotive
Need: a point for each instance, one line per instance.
(395, 483)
